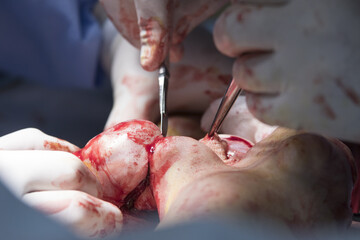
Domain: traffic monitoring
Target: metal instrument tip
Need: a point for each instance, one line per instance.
(227, 101)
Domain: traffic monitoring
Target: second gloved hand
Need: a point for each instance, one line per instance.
(158, 25)
(309, 77)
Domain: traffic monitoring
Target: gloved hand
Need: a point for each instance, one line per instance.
(200, 77)
(305, 74)
(42, 171)
(159, 25)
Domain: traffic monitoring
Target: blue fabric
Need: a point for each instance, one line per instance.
(53, 42)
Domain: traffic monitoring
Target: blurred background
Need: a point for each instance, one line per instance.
(51, 76)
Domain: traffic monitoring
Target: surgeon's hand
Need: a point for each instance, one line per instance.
(304, 72)
(202, 75)
(157, 26)
(42, 171)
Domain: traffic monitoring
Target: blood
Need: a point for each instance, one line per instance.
(248, 71)
(320, 99)
(135, 84)
(109, 223)
(241, 15)
(159, 174)
(154, 179)
(350, 93)
(141, 132)
(116, 194)
(234, 138)
(133, 196)
(91, 205)
(182, 27)
(56, 146)
(95, 152)
(225, 78)
(187, 74)
(155, 56)
(236, 149)
(213, 95)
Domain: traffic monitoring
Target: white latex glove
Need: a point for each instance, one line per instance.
(310, 78)
(200, 77)
(157, 26)
(42, 171)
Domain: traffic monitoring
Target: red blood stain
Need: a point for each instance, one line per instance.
(144, 136)
(183, 26)
(225, 78)
(213, 95)
(157, 172)
(79, 176)
(96, 153)
(238, 139)
(133, 83)
(141, 132)
(320, 99)
(56, 146)
(248, 71)
(126, 22)
(185, 75)
(256, 105)
(91, 204)
(109, 223)
(241, 15)
(112, 190)
(67, 181)
(93, 151)
(236, 149)
(350, 93)
(150, 26)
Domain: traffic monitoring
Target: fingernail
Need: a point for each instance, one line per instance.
(151, 57)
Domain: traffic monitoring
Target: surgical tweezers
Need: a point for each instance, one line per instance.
(163, 79)
(227, 101)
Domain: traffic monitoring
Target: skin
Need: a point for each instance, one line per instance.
(196, 183)
(118, 157)
(306, 62)
(169, 170)
(159, 26)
